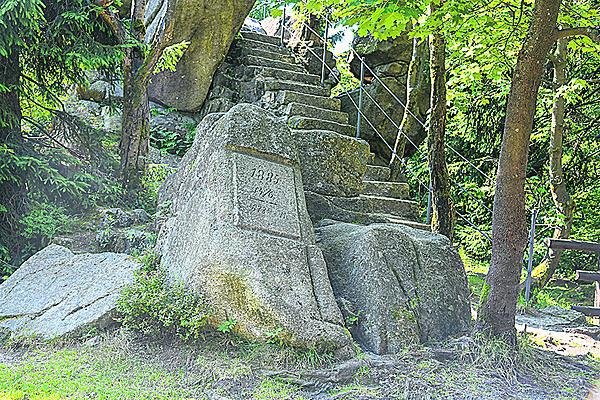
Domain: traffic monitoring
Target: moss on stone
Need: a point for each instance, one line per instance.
(485, 292)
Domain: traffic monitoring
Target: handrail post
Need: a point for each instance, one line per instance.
(324, 60)
(534, 214)
(283, 28)
(360, 97)
(429, 204)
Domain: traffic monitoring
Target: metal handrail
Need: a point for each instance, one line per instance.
(395, 97)
(361, 115)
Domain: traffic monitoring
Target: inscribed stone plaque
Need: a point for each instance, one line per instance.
(266, 196)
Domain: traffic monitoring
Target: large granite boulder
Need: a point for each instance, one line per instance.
(210, 27)
(57, 293)
(240, 234)
(395, 285)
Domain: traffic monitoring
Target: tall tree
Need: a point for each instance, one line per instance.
(139, 64)
(558, 187)
(499, 298)
(442, 214)
(44, 45)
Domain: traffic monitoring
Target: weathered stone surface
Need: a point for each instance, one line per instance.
(240, 233)
(379, 54)
(210, 27)
(332, 164)
(57, 293)
(396, 285)
(361, 209)
(390, 61)
(253, 25)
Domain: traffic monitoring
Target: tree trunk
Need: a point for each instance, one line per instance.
(509, 237)
(562, 200)
(416, 88)
(13, 193)
(10, 108)
(135, 138)
(442, 213)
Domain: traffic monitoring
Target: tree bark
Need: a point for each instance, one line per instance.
(416, 87)
(560, 196)
(10, 107)
(13, 194)
(135, 138)
(442, 213)
(499, 296)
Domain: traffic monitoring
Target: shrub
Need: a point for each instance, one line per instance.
(152, 305)
(153, 178)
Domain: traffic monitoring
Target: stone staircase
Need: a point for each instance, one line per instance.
(339, 182)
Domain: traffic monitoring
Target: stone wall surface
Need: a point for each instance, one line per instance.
(57, 293)
(240, 234)
(396, 285)
(390, 61)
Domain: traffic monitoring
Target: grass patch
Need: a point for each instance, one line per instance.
(561, 291)
(123, 366)
(274, 389)
(68, 373)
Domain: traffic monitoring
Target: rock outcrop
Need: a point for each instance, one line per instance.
(209, 27)
(338, 180)
(395, 285)
(57, 293)
(390, 61)
(240, 234)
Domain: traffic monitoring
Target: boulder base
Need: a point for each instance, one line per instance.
(240, 234)
(396, 285)
(57, 293)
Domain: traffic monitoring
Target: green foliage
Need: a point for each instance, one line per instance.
(44, 220)
(347, 81)
(153, 178)
(275, 389)
(168, 141)
(171, 56)
(153, 305)
(227, 326)
(276, 336)
(46, 46)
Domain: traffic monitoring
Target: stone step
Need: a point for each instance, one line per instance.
(405, 209)
(265, 62)
(377, 173)
(273, 85)
(304, 123)
(395, 190)
(304, 110)
(268, 54)
(359, 210)
(253, 44)
(288, 96)
(412, 224)
(287, 75)
(259, 37)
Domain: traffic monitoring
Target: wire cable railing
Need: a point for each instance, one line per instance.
(362, 117)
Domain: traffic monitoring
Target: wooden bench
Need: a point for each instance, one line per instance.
(583, 276)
